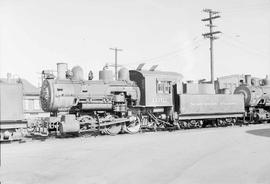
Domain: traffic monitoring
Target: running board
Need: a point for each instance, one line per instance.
(190, 117)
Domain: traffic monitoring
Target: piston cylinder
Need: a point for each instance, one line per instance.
(69, 124)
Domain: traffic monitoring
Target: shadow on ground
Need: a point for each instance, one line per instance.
(260, 132)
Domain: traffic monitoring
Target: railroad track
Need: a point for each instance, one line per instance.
(54, 135)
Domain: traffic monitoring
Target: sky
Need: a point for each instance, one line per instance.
(36, 34)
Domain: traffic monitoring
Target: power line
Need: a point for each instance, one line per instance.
(244, 45)
(246, 49)
(169, 58)
(195, 40)
(175, 55)
(246, 7)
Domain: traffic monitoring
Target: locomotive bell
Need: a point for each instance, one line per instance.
(77, 73)
(90, 75)
(123, 74)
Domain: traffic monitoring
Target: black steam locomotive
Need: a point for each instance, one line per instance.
(137, 99)
(257, 99)
(256, 94)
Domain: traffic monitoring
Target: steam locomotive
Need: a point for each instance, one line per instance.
(84, 105)
(137, 99)
(257, 98)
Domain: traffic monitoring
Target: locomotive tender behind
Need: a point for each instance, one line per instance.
(138, 99)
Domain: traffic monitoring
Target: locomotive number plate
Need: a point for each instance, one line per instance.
(160, 100)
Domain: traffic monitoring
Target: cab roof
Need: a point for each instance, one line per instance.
(158, 73)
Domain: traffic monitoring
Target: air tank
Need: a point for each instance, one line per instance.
(123, 74)
(106, 75)
(61, 71)
(77, 73)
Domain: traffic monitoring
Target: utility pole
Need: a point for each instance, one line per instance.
(115, 60)
(211, 36)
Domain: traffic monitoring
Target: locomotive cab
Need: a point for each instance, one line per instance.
(158, 95)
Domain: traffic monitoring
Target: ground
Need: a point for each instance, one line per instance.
(214, 155)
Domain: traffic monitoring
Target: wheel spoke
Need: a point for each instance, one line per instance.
(133, 126)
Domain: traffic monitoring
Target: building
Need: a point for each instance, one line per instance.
(31, 102)
(11, 106)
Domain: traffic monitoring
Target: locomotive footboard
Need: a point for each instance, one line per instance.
(210, 116)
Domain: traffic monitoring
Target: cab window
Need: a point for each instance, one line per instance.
(160, 87)
(163, 87)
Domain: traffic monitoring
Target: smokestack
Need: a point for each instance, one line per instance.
(248, 79)
(267, 81)
(8, 77)
(61, 71)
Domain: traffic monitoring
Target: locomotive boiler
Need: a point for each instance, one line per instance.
(79, 105)
(257, 98)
